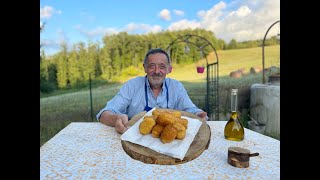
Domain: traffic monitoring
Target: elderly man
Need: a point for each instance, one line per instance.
(146, 92)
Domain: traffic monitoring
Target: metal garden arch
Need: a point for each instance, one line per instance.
(212, 95)
(264, 38)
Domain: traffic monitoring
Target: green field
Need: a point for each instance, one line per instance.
(59, 110)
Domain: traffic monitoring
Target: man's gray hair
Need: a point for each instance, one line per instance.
(154, 51)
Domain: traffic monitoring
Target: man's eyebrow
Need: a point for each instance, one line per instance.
(158, 64)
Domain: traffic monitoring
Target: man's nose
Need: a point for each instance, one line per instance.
(157, 69)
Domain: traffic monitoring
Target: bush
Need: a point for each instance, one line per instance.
(130, 71)
(47, 87)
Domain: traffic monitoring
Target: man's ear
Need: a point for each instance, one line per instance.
(170, 69)
(145, 70)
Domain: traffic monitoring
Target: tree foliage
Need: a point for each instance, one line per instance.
(72, 68)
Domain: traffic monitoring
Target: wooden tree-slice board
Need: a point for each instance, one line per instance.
(200, 143)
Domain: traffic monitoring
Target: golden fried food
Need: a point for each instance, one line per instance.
(157, 130)
(182, 121)
(152, 116)
(165, 118)
(156, 112)
(146, 125)
(168, 134)
(176, 114)
(181, 130)
(164, 124)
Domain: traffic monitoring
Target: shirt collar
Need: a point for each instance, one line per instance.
(163, 85)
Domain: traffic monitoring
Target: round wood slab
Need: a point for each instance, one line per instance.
(200, 143)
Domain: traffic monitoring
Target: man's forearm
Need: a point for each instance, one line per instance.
(108, 118)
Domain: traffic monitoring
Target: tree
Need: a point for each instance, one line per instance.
(62, 67)
(233, 44)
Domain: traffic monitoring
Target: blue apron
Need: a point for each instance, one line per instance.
(147, 108)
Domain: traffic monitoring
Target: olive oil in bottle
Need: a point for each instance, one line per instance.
(234, 130)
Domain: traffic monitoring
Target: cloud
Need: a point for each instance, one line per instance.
(54, 44)
(50, 43)
(98, 31)
(132, 28)
(250, 21)
(142, 28)
(243, 11)
(240, 19)
(184, 24)
(165, 14)
(178, 12)
(87, 17)
(47, 11)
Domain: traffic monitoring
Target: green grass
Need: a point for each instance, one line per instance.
(62, 107)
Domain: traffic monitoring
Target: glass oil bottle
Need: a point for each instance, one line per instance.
(234, 130)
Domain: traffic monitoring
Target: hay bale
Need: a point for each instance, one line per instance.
(235, 74)
(241, 70)
(254, 70)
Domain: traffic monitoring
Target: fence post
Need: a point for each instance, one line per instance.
(91, 109)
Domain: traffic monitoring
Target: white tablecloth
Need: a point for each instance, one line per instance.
(93, 151)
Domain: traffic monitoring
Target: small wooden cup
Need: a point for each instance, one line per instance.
(239, 157)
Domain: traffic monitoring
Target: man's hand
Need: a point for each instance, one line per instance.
(202, 115)
(121, 123)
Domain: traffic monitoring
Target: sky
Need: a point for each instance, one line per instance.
(74, 21)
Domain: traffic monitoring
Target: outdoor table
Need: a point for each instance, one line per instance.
(91, 150)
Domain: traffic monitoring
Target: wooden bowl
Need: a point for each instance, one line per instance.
(239, 157)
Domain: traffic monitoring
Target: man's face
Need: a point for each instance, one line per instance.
(156, 67)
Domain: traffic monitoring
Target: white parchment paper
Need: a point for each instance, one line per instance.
(176, 148)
